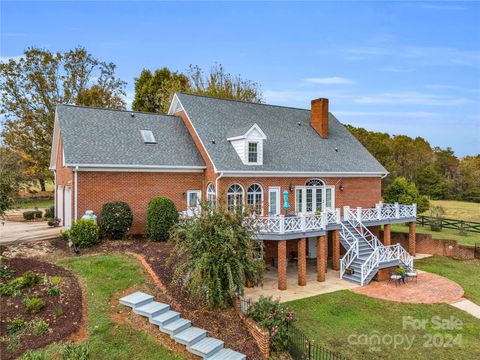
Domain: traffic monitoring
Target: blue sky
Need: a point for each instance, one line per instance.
(399, 67)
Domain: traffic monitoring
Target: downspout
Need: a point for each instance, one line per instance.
(55, 210)
(216, 186)
(75, 193)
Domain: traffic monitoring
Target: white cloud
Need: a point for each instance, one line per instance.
(397, 69)
(333, 80)
(6, 59)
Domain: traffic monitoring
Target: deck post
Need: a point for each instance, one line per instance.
(302, 262)
(336, 250)
(282, 265)
(412, 238)
(387, 234)
(321, 257)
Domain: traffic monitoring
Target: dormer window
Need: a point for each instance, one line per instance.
(252, 152)
(148, 137)
(249, 145)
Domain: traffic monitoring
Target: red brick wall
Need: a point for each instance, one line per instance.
(364, 192)
(136, 189)
(425, 244)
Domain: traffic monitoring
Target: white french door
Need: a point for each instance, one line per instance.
(59, 213)
(312, 199)
(274, 200)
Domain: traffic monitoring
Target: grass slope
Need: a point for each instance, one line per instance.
(447, 234)
(460, 210)
(105, 276)
(464, 272)
(336, 320)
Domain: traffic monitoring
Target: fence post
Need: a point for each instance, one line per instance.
(337, 216)
(303, 222)
(282, 224)
(397, 211)
(346, 209)
(359, 214)
(379, 211)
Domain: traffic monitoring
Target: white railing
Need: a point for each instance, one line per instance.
(363, 231)
(385, 254)
(300, 223)
(353, 249)
(381, 212)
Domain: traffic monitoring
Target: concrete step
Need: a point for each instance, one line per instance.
(165, 318)
(227, 354)
(152, 309)
(176, 326)
(136, 299)
(190, 336)
(206, 347)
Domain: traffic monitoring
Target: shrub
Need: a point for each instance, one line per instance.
(32, 214)
(14, 343)
(34, 304)
(38, 326)
(56, 280)
(13, 287)
(115, 219)
(49, 212)
(214, 255)
(16, 326)
(161, 216)
(54, 291)
(83, 233)
(275, 317)
(6, 271)
(34, 355)
(30, 278)
(73, 351)
(58, 311)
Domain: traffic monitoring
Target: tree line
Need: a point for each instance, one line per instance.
(32, 86)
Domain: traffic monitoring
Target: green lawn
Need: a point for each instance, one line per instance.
(344, 321)
(105, 276)
(448, 234)
(460, 210)
(35, 203)
(464, 272)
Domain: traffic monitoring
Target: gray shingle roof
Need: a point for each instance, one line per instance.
(292, 144)
(112, 137)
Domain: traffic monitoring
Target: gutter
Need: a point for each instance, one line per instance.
(216, 186)
(75, 192)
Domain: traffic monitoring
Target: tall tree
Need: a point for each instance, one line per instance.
(10, 178)
(32, 86)
(153, 92)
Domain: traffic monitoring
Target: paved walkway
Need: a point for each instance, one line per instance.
(294, 291)
(429, 289)
(16, 231)
(468, 306)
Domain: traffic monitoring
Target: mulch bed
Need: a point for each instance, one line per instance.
(61, 326)
(223, 324)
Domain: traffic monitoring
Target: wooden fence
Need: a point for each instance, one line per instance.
(444, 223)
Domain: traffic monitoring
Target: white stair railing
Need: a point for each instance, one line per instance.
(352, 251)
(355, 221)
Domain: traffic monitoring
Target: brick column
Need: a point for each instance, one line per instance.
(282, 264)
(336, 250)
(387, 234)
(302, 262)
(411, 238)
(321, 257)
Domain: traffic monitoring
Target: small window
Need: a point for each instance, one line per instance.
(148, 137)
(252, 152)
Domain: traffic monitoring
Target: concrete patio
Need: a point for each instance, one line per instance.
(294, 291)
(16, 232)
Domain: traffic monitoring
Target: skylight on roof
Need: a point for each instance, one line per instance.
(148, 137)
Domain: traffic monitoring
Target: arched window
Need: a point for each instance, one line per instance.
(315, 182)
(255, 198)
(211, 195)
(234, 196)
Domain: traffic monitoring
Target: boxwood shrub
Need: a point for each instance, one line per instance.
(115, 219)
(83, 233)
(49, 212)
(32, 214)
(161, 216)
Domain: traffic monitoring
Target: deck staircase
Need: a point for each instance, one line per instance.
(365, 254)
(179, 329)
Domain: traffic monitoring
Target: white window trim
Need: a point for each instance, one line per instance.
(247, 159)
(194, 210)
(278, 203)
(243, 195)
(209, 193)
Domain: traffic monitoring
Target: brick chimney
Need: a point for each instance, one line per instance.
(319, 116)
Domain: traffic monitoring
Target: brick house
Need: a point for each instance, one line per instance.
(315, 189)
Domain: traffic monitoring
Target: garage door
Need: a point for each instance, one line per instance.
(67, 222)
